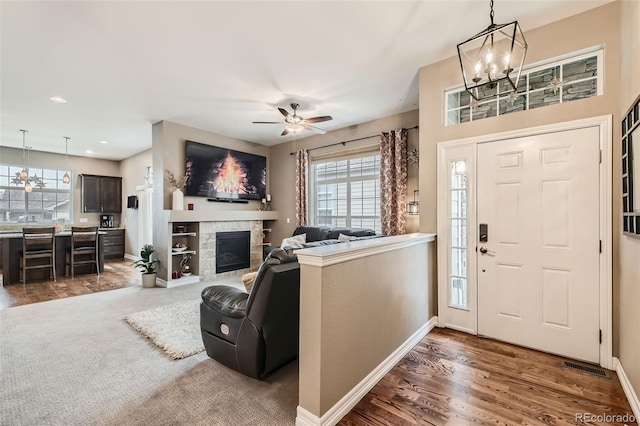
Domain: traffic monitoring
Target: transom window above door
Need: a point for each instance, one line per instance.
(574, 77)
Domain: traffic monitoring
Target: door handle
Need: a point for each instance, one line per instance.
(484, 250)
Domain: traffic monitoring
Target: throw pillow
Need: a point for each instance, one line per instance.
(293, 241)
(248, 279)
(345, 238)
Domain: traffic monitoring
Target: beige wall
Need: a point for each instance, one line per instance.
(78, 165)
(170, 142)
(628, 295)
(133, 171)
(595, 27)
(354, 315)
(168, 153)
(598, 26)
(282, 171)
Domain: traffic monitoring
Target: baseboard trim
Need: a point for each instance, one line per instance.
(347, 402)
(131, 257)
(629, 392)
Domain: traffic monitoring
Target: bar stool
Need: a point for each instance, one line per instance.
(83, 249)
(38, 243)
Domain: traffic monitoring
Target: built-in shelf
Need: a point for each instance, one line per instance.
(266, 244)
(184, 280)
(187, 235)
(175, 253)
(266, 229)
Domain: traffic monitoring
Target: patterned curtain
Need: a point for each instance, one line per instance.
(393, 181)
(302, 171)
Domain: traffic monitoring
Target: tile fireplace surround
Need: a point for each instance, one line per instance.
(208, 232)
(209, 223)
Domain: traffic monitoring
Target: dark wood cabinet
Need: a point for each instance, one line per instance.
(113, 243)
(101, 194)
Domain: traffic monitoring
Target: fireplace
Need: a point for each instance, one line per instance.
(233, 251)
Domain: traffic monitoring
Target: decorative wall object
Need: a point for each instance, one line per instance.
(413, 157)
(631, 170)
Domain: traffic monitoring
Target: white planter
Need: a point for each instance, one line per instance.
(149, 280)
(178, 200)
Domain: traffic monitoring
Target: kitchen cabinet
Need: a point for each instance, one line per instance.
(113, 243)
(101, 194)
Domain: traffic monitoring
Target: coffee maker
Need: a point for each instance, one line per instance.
(106, 221)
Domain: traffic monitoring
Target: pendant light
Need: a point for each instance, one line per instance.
(27, 183)
(66, 178)
(493, 56)
(23, 174)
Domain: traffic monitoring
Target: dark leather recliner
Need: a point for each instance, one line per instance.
(255, 333)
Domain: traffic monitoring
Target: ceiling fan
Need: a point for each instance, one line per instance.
(294, 123)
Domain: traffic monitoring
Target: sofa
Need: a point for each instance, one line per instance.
(323, 235)
(255, 333)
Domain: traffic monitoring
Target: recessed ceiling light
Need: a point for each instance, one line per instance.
(104, 142)
(89, 151)
(58, 100)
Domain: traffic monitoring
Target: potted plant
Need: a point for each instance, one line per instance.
(147, 266)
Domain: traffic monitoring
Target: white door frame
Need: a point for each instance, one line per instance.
(444, 233)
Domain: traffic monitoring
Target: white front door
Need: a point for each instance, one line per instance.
(538, 270)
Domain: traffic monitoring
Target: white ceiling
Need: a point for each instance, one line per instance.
(218, 66)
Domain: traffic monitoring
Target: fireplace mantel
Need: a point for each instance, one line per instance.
(220, 215)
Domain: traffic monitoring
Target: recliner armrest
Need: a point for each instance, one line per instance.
(228, 301)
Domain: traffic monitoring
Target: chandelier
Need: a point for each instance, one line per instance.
(493, 56)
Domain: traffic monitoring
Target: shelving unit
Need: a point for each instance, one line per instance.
(266, 231)
(188, 236)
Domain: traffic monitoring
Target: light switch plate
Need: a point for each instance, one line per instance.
(84, 220)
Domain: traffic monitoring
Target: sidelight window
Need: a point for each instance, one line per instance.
(458, 276)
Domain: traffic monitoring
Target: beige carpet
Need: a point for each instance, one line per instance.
(173, 328)
(76, 362)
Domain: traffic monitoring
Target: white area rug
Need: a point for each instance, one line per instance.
(174, 328)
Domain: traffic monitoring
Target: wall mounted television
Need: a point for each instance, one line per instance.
(225, 174)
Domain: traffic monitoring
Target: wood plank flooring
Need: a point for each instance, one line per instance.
(452, 378)
(118, 273)
(449, 378)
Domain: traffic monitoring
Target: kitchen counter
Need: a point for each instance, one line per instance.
(11, 243)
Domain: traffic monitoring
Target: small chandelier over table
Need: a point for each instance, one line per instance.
(494, 55)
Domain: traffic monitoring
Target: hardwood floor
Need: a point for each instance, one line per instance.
(118, 273)
(452, 378)
(449, 378)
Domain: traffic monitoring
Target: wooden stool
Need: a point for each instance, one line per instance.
(38, 243)
(83, 249)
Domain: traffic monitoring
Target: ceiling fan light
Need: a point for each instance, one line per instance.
(295, 127)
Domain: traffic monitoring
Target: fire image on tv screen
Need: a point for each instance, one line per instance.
(223, 173)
